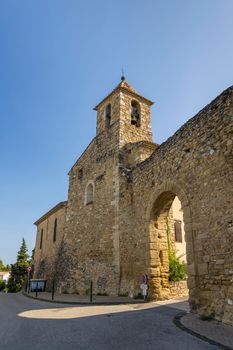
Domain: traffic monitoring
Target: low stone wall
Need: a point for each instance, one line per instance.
(178, 289)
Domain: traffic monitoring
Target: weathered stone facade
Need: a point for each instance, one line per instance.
(120, 199)
(50, 231)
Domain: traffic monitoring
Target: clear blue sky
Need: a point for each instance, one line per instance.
(58, 59)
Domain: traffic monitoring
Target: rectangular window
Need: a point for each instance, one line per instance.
(80, 174)
(41, 238)
(55, 231)
(178, 230)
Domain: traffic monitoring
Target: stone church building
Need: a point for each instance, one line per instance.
(127, 195)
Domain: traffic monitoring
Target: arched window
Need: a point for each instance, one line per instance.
(135, 113)
(89, 194)
(55, 230)
(41, 238)
(108, 116)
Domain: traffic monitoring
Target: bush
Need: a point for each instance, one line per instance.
(2, 285)
(177, 268)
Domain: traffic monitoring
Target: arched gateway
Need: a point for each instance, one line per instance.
(196, 164)
(122, 233)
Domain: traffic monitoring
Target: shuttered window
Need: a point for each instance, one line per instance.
(178, 231)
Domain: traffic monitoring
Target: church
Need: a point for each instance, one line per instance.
(128, 197)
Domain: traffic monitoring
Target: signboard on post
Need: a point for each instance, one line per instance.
(144, 285)
(144, 288)
(29, 270)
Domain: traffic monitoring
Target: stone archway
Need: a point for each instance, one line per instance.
(159, 218)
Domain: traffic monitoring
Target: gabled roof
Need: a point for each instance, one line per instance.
(50, 212)
(125, 87)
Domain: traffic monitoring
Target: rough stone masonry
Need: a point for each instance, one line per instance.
(113, 228)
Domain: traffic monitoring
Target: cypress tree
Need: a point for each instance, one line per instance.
(19, 269)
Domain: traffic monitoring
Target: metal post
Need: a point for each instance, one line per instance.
(36, 288)
(91, 292)
(53, 289)
(27, 284)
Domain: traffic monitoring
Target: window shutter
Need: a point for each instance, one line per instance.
(178, 231)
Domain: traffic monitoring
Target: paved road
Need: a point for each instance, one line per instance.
(31, 324)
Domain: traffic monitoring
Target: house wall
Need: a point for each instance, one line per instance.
(45, 258)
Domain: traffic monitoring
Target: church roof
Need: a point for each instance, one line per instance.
(125, 87)
(50, 212)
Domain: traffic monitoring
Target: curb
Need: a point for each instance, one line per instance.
(177, 322)
(85, 302)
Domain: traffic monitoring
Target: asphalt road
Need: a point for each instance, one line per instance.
(31, 324)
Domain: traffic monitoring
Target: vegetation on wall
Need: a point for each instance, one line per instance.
(177, 268)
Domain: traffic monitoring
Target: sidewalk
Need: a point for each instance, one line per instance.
(212, 331)
(83, 299)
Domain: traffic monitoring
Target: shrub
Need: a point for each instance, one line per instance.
(177, 268)
(2, 285)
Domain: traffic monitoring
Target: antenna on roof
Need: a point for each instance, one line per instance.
(122, 75)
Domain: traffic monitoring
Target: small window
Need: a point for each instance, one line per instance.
(80, 174)
(41, 238)
(55, 230)
(178, 231)
(135, 114)
(89, 194)
(108, 116)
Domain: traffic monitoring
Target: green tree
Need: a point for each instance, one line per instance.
(32, 257)
(1, 265)
(7, 267)
(19, 269)
(2, 285)
(4, 267)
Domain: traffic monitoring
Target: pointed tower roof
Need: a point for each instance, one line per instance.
(125, 87)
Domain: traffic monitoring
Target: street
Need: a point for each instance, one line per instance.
(30, 324)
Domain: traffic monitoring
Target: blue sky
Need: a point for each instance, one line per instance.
(58, 59)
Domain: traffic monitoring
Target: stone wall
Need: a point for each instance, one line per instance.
(46, 254)
(196, 164)
(131, 133)
(91, 249)
(178, 289)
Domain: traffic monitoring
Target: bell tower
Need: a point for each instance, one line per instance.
(127, 112)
